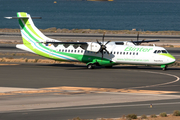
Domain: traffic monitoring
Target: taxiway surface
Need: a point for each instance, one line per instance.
(53, 75)
(63, 105)
(92, 105)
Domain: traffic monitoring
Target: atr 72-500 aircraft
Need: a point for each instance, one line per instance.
(92, 53)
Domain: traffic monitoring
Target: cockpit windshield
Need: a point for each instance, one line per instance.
(160, 51)
(164, 51)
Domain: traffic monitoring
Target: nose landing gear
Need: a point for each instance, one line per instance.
(164, 67)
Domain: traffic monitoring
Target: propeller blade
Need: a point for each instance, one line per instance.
(103, 38)
(98, 42)
(107, 42)
(107, 51)
(138, 36)
(100, 50)
(102, 55)
(132, 41)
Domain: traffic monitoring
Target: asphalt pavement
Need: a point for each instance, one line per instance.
(89, 105)
(92, 105)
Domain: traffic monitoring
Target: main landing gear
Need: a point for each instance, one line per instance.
(164, 68)
(90, 66)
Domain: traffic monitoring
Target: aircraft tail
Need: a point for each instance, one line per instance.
(29, 32)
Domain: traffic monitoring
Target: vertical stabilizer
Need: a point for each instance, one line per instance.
(29, 32)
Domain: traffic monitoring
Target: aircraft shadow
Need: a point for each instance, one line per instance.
(80, 67)
(143, 67)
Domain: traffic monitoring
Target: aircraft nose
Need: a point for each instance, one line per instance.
(171, 58)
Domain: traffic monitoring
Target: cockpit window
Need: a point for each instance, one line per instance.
(164, 51)
(160, 51)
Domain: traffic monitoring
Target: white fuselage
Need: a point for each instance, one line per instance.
(124, 54)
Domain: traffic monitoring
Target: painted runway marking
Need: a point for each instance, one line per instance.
(177, 79)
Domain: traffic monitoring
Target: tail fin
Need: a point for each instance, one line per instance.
(29, 32)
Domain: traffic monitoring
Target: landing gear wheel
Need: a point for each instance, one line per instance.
(90, 66)
(164, 68)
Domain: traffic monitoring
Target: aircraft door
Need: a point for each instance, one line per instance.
(51, 47)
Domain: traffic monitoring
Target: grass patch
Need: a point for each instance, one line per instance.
(176, 113)
(153, 116)
(36, 60)
(143, 117)
(131, 116)
(163, 114)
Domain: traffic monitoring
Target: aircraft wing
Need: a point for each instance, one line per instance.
(66, 44)
(145, 41)
(72, 43)
(136, 42)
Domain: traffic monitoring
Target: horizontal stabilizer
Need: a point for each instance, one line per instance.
(22, 17)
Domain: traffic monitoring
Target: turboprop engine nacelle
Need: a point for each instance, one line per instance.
(94, 47)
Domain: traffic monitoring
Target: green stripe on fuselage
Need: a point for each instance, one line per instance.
(26, 21)
(168, 55)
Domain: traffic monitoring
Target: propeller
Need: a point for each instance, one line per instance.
(103, 46)
(137, 42)
(138, 37)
